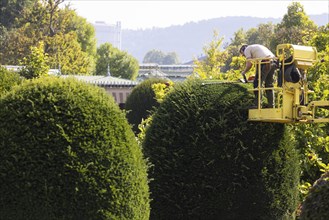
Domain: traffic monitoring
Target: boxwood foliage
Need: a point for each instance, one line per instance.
(141, 101)
(8, 79)
(316, 202)
(209, 162)
(68, 152)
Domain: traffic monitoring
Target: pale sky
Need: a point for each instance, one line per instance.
(138, 14)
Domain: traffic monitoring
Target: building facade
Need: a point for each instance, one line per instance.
(108, 33)
(117, 87)
(175, 73)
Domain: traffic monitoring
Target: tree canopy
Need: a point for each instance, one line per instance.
(34, 65)
(159, 57)
(210, 67)
(69, 40)
(10, 10)
(118, 63)
(296, 27)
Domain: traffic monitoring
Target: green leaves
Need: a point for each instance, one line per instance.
(313, 140)
(142, 101)
(315, 205)
(35, 64)
(8, 79)
(69, 40)
(159, 57)
(296, 27)
(66, 53)
(210, 67)
(209, 162)
(119, 63)
(67, 152)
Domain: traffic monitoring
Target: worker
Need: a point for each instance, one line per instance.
(268, 67)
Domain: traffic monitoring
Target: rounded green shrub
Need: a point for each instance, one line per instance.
(209, 162)
(68, 152)
(8, 79)
(141, 101)
(316, 203)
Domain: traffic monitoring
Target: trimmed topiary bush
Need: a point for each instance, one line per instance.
(68, 152)
(316, 202)
(141, 101)
(209, 162)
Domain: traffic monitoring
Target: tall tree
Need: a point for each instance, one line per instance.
(69, 39)
(159, 57)
(239, 38)
(65, 53)
(35, 64)
(118, 63)
(252, 36)
(265, 35)
(296, 27)
(15, 44)
(10, 10)
(262, 34)
(321, 39)
(154, 56)
(210, 67)
(70, 21)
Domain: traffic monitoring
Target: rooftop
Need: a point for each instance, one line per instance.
(104, 80)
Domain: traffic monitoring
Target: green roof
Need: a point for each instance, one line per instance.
(104, 80)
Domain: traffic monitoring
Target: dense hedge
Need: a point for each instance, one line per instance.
(68, 152)
(141, 101)
(8, 79)
(316, 203)
(209, 162)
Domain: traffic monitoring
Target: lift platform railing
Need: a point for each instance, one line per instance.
(291, 92)
(260, 89)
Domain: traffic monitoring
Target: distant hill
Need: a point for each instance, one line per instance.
(189, 39)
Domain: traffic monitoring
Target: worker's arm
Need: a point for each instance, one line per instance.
(248, 67)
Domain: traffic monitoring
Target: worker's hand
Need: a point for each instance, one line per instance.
(244, 77)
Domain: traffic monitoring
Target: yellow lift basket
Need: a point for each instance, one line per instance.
(291, 92)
